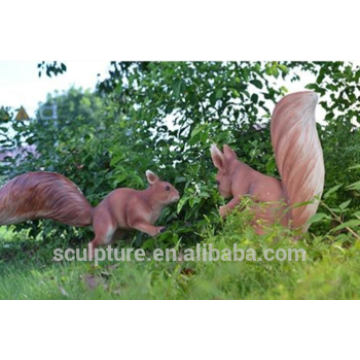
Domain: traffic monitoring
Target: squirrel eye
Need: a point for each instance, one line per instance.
(167, 188)
(217, 182)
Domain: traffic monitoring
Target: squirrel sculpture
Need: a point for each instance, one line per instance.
(48, 195)
(300, 162)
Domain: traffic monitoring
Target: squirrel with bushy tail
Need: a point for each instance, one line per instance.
(293, 200)
(39, 195)
(48, 195)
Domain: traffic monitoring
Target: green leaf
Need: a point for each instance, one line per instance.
(197, 130)
(318, 217)
(315, 87)
(275, 71)
(235, 93)
(283, 68)
(347, 224)
(180, 179)
(181, 203)
(321, 76)
(257, 83)
(354, 186)
(357, 76)
(212, 99)
(176, 88)
(338, 75)
(245, 74)
(301, 204)
(169, 108)
(345, 204)
(332, 190)
(219, 94)
(254, 98)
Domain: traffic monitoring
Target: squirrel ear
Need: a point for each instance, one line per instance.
(229, 152)
(151, 177)
(217, 158)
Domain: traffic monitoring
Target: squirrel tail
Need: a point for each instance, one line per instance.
(36, 195)
(298, 154)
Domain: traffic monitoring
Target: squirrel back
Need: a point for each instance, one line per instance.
(298, 153)
(36, 195)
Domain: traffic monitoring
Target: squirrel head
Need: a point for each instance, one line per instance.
(224, 162)
(162, 192)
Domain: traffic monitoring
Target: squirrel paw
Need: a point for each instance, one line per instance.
(223, 210)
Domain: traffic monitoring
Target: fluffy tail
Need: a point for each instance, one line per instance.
(36, 195)
(298, 153)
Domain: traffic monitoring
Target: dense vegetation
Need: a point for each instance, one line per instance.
(164, 117)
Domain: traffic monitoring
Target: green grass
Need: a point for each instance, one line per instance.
(331, 271)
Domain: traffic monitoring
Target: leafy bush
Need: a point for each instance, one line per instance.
(164, 117)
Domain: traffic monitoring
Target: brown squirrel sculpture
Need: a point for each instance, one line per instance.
(48, 195)
(300, 163)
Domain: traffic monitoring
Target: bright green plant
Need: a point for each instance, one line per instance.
(164, 117)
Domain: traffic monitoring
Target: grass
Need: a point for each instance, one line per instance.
(331, 271)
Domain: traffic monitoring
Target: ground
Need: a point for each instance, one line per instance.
(331, 271)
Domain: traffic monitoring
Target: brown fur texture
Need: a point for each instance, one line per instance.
(48, 195)
(38, 195)
(126, 209)
(300, 162)
(298, 153)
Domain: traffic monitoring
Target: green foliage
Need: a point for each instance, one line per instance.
(330, 270)
(164, 116)
(51, 68)
(74, 144)
(172, 112)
